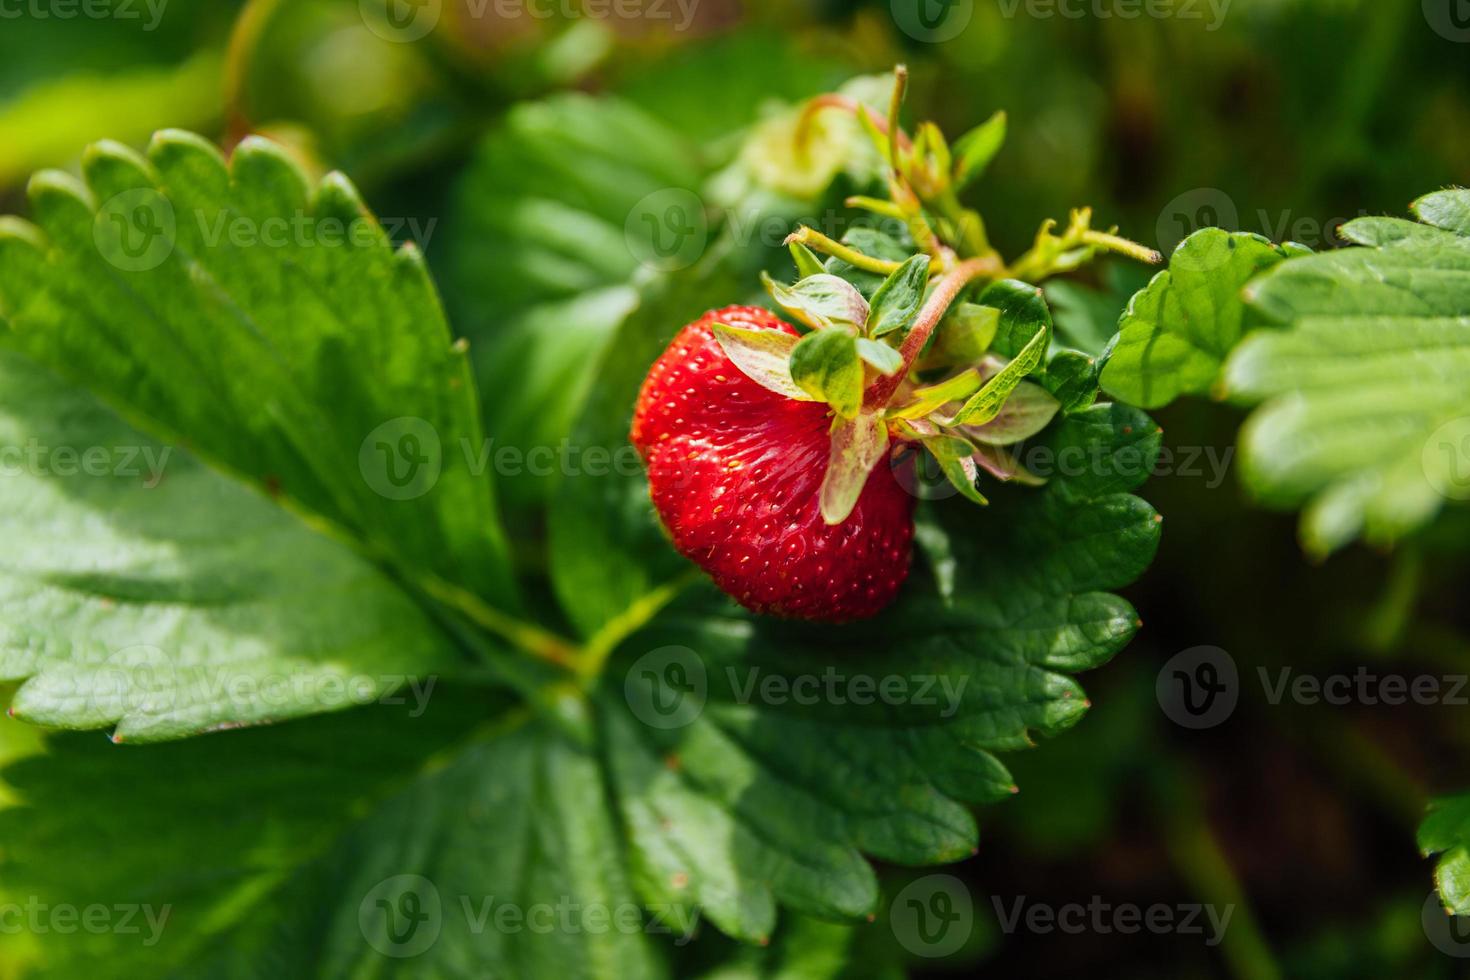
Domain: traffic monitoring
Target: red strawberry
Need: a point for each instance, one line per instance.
(735, 472)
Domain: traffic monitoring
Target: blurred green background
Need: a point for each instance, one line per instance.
(1281, 117)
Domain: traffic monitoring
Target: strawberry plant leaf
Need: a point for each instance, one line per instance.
(1023, 314)
(271, 326)
(1362, 391)
(1177, 332)
(826, 365)
(731, 794)
(191, 603)
(566, 202)
(1072, 378)
(1446, 832)
(366, 856)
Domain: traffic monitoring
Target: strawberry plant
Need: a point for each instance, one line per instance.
(832, 521)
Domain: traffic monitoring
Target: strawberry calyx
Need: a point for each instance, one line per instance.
(924, 337)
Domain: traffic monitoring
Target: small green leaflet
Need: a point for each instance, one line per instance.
(826, 366)
(1176, 334)
(764, 357)
(1446, 832)
(858, 445)
(974, 151)
(897, 301)
(1364, 417)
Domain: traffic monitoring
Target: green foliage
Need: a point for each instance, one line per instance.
(1176, 334)
(1362, 390)
(1446, 832)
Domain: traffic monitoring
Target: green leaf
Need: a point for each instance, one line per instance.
(1446, 832)
(764, 356)
(858, 446)
(826, 365)
(822, 302)
(1176, 334)
(607, 548)
(566, 202)
(50, 123)
(361, 855)
(884, 359)
(987, 403)
(897, 301)
(974, 151)
(1362, 393)
(1022, 315)
(964, 336)
(271, 326)
(1072, 378)
(190, 603)
(738, 798)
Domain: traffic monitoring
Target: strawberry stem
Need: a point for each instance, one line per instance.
(945, 293)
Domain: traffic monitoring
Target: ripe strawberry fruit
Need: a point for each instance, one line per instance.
(735, 472)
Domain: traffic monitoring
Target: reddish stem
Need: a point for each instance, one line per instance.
(847, 104)
(938, 304)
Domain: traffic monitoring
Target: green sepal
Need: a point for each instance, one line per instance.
(989, 400)
(897, 301)
(763, 356)
(883, 359)
(858, 445)
(826, 365)
(822, 302)
(936, 396)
